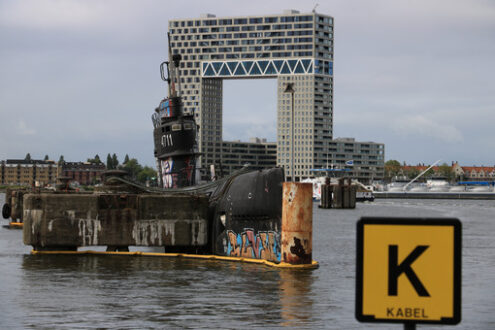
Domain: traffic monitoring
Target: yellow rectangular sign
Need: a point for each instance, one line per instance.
(408, 270)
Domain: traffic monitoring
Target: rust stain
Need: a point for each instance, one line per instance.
(298, 250)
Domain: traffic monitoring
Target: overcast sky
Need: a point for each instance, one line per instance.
(79, 78)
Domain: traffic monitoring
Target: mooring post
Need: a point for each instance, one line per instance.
(297, 223)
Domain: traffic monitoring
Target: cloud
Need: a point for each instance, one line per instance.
(420, 125)
(249, 109)
(245, 131)
(51, 14)
(22, 128)
(87, 71)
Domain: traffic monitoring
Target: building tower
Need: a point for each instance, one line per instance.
(292, 47)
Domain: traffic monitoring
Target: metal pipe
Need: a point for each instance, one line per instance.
(292, 142)
(290, 89)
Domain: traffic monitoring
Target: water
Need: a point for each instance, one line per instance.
(145, 292)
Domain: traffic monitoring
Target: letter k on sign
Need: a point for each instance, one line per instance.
(394, 270)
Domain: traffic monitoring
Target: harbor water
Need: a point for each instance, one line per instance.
(46, 291)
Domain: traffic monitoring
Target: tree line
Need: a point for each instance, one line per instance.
(136, 171)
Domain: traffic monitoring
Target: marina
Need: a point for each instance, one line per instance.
(437, 189)
(435, 195)
(138, 292)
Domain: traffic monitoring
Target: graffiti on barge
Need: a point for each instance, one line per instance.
(263, 245)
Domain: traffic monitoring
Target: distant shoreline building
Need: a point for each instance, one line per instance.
(364, 160)
(27, 172)
(293, 48)
(257, 152)
(41, 173)
(82, 172)
(474, 173)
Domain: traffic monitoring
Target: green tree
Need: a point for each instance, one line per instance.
(28, 156)
(412, 172)
(46, 158)
(115, 161)
(446, 171)
(95, 160)
(133, 168)
(109, 162)
(430, 173)
(146, 174)
(61, 159)
(392, 168)
(126, 159)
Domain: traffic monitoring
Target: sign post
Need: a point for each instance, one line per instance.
(408, 270)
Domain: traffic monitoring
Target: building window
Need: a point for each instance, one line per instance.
(210, 22)
(255, 20)
(238, 21)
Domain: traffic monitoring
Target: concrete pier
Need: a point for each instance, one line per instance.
(341, 196)
(238, 219)
(68, 221)
(14, 199)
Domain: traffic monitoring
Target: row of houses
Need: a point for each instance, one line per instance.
(462, 173)
(474, 173)
(30, 172)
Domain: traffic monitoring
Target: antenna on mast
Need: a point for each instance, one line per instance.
(171, 79)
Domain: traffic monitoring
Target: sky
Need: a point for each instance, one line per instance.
(79, 78)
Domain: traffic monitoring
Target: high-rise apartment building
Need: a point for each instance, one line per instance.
(293, 48)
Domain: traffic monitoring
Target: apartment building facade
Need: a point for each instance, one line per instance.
(294, 48)
(27, 172)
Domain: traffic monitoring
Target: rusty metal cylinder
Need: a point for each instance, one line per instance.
(297, 223)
